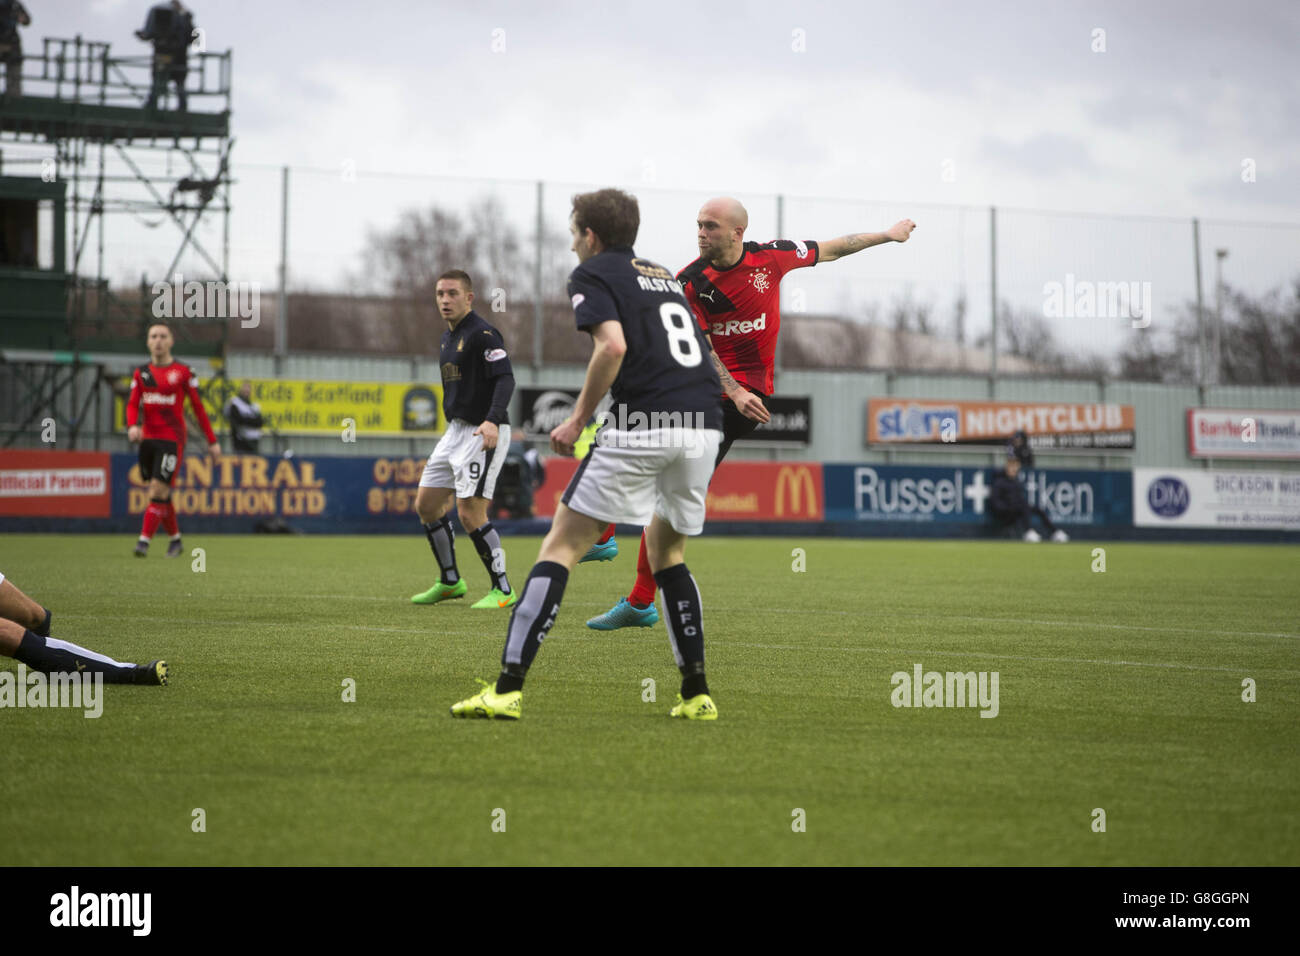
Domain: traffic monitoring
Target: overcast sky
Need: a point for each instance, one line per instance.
(895, 105)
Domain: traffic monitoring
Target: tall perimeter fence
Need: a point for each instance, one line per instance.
(977, 289)
(338, 255)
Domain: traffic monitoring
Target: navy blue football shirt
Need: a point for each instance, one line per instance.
(477, 380)
(667, 367)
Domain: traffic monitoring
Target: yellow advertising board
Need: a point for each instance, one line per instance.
(310, 407)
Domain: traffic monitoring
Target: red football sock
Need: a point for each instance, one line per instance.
(169, 519)
(643, 594)
(152, 515)
(609, 533)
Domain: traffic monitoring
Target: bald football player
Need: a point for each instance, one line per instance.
(734, 290)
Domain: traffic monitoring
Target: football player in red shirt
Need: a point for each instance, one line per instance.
(734, 290)
(161, 387)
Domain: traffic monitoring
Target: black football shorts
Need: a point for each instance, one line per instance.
(158, 459)
(735, 425)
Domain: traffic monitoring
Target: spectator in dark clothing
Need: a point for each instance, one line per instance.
(521, 475)
(1019, 449)
(1009, 504)
(170, 28)
(12, 16)
(245, 417)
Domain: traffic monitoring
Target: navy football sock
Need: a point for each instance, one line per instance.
(530, 622)
(442, 539)
(683, 616)
(488, 544)
(52, 656)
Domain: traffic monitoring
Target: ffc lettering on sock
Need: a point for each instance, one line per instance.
(532, 618)
(683, 616)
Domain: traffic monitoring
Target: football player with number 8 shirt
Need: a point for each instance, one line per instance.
(734, 290)
(648, 353)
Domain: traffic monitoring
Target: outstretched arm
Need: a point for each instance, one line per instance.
(833, 249)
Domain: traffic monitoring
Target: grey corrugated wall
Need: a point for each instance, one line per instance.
(839, 408)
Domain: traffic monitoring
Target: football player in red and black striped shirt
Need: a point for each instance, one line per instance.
(160, 388)
(734, 290)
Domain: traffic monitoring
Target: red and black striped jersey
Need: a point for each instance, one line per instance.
(161, 392)
(740, 306)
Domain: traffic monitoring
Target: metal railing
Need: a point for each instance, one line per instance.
(85, 71)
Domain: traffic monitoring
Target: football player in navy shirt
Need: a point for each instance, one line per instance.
(651, 462)
(477, 383)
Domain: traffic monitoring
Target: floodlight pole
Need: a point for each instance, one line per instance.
(1200, 308)
(537, 290)
(282, 312)
(1219, 256)
(993, 296)
(780, 288)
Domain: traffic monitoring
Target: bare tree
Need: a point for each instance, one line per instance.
(1260, 343)
(403, 263)
(406, 259)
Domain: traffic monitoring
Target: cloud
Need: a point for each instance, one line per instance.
(1043, 154)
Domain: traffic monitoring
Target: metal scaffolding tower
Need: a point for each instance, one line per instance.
(82, 143)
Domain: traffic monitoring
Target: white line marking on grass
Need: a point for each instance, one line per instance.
(1119, 627)
(822, 611)
(1012, 620)
(714, 642)
(930, 652)
(281, 624)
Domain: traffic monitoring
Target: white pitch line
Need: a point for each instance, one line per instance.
(997, 657)
(1083, 625)
(929, 652)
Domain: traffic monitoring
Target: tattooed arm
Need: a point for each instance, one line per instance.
(833, 249)
(746, 402)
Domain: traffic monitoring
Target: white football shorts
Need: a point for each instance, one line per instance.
(630, 476)
(460, 461)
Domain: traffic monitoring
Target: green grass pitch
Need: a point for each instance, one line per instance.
(1119, 690)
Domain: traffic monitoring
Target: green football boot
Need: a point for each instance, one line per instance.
(495, 598)
(699, 707)
(488, 703)
(441, 592)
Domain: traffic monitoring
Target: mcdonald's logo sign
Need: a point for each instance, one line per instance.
(796, 493)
